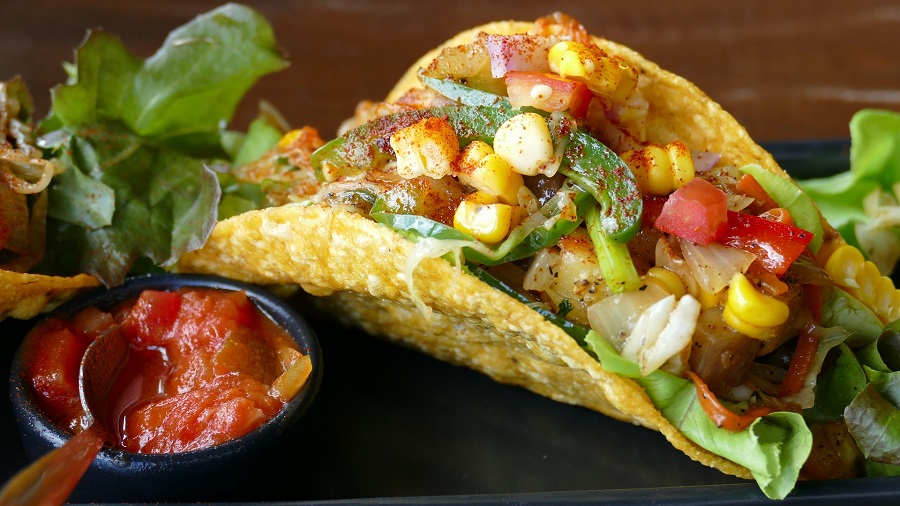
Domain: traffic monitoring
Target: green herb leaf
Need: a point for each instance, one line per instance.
(76, 197)
(261, 136)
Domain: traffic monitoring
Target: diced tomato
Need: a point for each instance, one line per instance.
(547, 92)
(54, 359)
(226, 408)
(90, 322)
(151, 318)
(776, 245)
(698, 212)
(199, 371)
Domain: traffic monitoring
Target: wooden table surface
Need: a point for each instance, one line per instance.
(785, 69)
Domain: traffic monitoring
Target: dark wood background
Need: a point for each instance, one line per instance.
(786, 69)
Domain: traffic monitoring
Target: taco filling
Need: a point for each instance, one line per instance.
(551, 166)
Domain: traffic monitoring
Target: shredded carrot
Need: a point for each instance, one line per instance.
(804, 355)
(723, 417)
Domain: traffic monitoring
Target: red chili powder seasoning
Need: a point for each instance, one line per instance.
(204, 366)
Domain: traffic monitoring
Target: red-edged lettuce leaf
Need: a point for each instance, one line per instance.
(874, 419)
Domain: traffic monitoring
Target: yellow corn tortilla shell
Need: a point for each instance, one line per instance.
(356, 268)
(25, 296)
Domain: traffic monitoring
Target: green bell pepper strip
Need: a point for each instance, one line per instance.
(464, 94)
(586, 161)
(577, 332)
(615, 259)
(536, 233)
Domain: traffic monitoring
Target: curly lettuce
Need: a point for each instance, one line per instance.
(862, 203)
(140, 139)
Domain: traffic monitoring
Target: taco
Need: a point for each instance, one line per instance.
(555, 211)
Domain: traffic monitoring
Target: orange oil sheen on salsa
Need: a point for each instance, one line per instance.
(200, 370)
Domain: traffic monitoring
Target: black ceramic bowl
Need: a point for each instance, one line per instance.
(224, 472)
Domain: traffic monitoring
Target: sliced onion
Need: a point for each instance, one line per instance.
(713, 265)
(539, 276)
(665, 256)
(614, 317)
(705, 160)
(15, 167)
(650, 324)
(739, 202)
(518, 52)
(661, 332)
(675, 337)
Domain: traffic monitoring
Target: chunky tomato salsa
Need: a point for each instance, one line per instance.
(204, 366)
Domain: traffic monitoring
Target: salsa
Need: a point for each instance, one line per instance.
(204, 366)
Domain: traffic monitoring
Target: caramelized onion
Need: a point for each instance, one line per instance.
(16, 169)
(713, 265)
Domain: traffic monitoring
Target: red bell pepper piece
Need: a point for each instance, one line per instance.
(775, 244)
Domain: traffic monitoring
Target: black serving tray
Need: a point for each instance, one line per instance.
(393, 426)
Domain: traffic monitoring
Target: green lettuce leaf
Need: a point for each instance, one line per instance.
(874, 167)
(139, 136)
(773, 448)
(840, 309)
(837, 386)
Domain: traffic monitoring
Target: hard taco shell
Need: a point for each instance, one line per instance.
(355, 267)
(26, 295)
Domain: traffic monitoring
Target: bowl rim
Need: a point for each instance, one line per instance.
(270, 304)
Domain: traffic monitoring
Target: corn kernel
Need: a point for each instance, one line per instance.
(481, 197)
(660, 170)
(472, 154)
(426, 148)
(606, 76)
(518, 215)
(862, 279)
(667, 280)
(750, 312)
(494, 175)
(486, 222)
(289, 138)
(524, 142)
(843, 265)
(709, 299)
